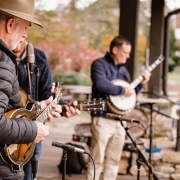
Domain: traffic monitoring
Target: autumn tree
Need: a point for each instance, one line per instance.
(72, 37)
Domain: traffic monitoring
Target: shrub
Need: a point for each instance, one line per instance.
(71, 78)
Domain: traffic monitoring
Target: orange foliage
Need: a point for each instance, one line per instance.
(142, 42)
(74, 57)
(142, 45)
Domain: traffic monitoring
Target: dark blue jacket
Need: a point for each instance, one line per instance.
(103, 71)
(45, 77)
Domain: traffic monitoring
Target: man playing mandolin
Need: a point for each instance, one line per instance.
(44, 88)
(15, 17)
(107, 134)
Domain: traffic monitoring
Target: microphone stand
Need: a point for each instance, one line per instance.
(150, 105)
(36, 69)
(141, 158)
(64, 158)
(34, 160)
(31, 68)
(34, 164)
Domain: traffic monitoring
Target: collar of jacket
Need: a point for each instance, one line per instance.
(4, 48)
(110, 58)
(7, 51)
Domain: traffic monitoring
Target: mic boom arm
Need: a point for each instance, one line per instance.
(67, 147)
(109, 115)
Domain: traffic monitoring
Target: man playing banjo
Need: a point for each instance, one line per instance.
(107, 134)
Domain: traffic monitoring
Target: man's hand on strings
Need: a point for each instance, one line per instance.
(146, 78)
(129, 91)
(42, 131)
(56, 110)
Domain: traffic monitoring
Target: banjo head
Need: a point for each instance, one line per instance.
(120, 102)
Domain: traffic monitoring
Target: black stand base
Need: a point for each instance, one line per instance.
(141, 159)
(64, 158)
(34, 162)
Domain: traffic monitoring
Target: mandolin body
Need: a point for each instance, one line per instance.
(19, 154)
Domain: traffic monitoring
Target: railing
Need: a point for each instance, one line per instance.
(76, 92)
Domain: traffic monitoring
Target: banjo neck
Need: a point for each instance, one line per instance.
(149, 69)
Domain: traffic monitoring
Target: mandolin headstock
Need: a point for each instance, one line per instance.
(56, 91)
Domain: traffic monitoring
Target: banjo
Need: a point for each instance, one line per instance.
(120, 104)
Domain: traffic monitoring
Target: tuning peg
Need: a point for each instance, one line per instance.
(94, 99)
(100, 99)
(53, 87)
(56, 84)
(95, 112)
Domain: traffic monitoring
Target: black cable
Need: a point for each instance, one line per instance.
(93, 163)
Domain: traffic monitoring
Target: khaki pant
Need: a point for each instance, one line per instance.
(106, 148)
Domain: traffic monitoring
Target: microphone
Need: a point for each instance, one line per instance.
(30, 57)
(67, 147)
(109, 115)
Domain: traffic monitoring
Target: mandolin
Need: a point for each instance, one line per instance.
(19, 154)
